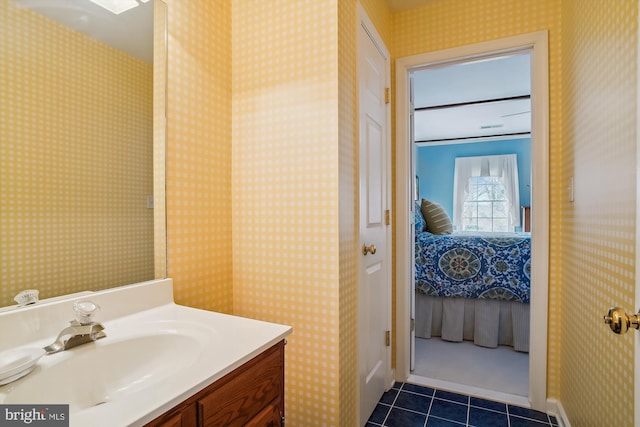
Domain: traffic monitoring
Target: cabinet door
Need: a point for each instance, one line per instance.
(246, 392)
(182, 416)
(268, 417)
(251, 395)
(174, 421)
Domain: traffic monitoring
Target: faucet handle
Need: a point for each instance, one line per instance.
(84, 311)
(27, 297)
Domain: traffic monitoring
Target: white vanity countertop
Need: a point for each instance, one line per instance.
(201, 347)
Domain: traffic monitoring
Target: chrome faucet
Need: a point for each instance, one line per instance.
(82, 329)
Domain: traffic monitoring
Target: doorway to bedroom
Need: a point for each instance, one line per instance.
(472, 152)
(476, 160)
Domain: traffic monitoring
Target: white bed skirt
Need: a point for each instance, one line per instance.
(488, 323)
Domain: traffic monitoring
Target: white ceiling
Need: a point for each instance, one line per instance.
(130, 31)
(468, 82)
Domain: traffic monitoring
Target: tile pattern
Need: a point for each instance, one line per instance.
(445, 24)
(410, 405)
(81, 110)
(599, 89)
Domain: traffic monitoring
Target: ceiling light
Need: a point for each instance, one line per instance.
(116, 6)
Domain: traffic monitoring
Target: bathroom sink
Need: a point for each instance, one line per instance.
(156, 354)
(109, 369)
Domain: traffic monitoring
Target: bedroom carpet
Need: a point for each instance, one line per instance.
(499, 369)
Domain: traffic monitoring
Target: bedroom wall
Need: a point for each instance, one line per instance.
(598, 250)
(445, 24)
(435, 165)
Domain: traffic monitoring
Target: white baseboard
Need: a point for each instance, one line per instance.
(391, 380)
(554, 407)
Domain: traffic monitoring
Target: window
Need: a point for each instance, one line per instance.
(485, 193)
(486, 207)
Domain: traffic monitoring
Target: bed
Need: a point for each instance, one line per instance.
(473, 286)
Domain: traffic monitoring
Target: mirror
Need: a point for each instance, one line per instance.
(82, 143)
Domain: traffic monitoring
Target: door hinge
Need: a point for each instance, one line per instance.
(281, 419)
(387, 95)
(413, 325)
(387, 338)
(387, 217)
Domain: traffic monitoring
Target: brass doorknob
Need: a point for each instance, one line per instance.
(620, 322)
(368, 249)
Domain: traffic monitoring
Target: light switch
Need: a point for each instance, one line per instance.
(149, 202)
(570, 189)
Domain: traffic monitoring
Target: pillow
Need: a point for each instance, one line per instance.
(420, 224)
(436, 217)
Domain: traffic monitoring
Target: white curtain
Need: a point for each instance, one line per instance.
(504, 167)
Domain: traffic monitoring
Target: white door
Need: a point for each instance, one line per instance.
(374, 293)
(414, 191)
(636, 383)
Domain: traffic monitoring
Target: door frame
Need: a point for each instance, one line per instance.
(365, 24)
(537, 44)
(636, 340)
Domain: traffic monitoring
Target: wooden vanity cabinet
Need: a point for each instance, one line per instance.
(251, 395)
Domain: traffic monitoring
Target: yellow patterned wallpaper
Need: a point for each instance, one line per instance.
(199, 153)
(348, 213)
(286, 240)
(379, 13)
(599, 110)
(295, 231)
(159, 138)
(61, 116)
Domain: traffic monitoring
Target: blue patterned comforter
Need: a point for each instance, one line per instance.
(474, 265)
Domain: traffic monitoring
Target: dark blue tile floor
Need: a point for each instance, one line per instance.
(410, 405)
